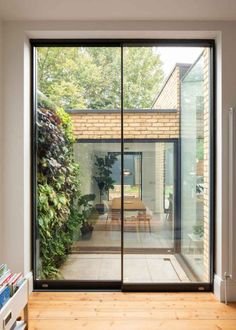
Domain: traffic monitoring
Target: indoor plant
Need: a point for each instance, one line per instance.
(103, 176)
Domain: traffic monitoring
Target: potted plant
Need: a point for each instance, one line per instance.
(103, 176)
(88, 226)
(88, 216)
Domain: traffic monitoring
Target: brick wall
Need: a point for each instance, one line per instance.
(168, 97)
(206, 248)
(137, 124)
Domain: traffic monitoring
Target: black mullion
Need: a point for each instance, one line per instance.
(116, 42)
(212, 166)
(122, 164)
(75, 42)
(177, 197)
(33, 161)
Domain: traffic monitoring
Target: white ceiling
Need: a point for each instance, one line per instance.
(118, 9)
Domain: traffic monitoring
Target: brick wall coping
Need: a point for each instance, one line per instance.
(92, 111)
(136, 140)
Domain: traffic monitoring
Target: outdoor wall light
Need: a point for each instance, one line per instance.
(127, 172)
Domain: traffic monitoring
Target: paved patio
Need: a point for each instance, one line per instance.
(138, 268)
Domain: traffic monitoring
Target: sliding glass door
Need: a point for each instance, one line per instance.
(149, 219)
(122, 165)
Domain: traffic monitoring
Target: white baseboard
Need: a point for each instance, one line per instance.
(219, 289)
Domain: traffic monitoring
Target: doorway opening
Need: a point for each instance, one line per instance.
(122, 165)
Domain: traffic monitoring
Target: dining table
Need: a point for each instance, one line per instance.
(131, 204)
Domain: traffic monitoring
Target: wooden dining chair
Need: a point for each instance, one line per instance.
(145, 217)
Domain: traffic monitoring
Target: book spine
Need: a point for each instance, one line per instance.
(7, 279)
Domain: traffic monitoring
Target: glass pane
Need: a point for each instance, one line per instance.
(195, 167)
(143, 77)
(149, 217)
(166, 226)
(79, 134)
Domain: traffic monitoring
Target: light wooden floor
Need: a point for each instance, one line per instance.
(130, 311)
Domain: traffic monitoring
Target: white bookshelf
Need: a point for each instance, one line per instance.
(13, 308)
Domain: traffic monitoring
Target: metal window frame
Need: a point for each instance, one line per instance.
(65, 285)
(140, 153)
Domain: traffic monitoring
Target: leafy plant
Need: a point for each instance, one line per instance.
(87, 211)
(58, 188)
(103, 173)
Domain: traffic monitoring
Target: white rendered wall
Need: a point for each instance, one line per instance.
(16, 163)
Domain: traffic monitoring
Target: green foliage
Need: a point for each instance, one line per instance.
(90, 77)
(88, 212)
(143, 77)
(103, 173)
(67, 125)
(44, 102)
(58, 190)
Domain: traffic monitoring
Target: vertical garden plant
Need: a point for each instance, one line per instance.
(58, 188)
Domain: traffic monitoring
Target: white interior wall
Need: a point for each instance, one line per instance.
(159, 176)
(118, 10)
(1, 111)
(148, 177)
(15, 127)
(16, 198)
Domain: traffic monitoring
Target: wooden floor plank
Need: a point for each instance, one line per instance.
(131, 311)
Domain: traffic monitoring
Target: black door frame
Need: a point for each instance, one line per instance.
(68, 285)
(131, 153)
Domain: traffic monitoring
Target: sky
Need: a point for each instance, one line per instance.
(172, 55)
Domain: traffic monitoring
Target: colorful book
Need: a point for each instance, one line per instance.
(5, 296)
(4, 277)
(9, 283)
(7, 279)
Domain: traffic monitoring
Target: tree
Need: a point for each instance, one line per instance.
(143, 76)
(90, 77)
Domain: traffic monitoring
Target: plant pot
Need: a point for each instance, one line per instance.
(86, 231)
(87, 236)
(100, 208)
